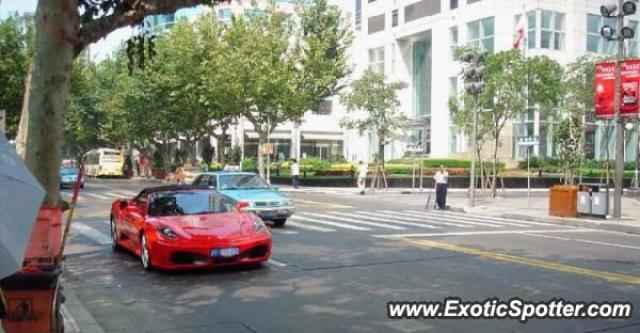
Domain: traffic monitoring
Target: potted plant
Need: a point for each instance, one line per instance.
(563, 197)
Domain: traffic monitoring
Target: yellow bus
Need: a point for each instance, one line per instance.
(103, 162)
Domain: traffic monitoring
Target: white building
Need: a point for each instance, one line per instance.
(412, 41)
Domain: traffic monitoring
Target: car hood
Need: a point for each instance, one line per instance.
(254, 195)
(219, 226)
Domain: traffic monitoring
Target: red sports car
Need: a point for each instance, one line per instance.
(184, 227)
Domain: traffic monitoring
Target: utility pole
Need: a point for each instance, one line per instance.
(3, 121)
(473, 74)
(618, 11)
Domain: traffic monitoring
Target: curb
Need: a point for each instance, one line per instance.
(76, 317)
(608, 225)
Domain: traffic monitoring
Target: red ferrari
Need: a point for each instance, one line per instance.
(185, 227)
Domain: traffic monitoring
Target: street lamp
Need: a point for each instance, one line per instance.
(610, 34)
(473, 74)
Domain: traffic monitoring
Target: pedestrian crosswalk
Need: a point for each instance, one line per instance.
(378, 223)
(103, 195)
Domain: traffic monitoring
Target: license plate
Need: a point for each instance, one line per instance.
(225, 253)
(268, 213)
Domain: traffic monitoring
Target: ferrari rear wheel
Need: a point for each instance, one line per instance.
(144, 254)
(279, 222)
(114, 236)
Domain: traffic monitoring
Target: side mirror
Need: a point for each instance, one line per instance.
(123, 204)
(242, 205)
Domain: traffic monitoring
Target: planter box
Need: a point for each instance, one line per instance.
(563, 201)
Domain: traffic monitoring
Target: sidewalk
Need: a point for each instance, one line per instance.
(76, 318)
(518, 207)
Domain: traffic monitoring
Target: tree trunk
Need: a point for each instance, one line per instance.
(381, 152)
(220, 146)
(45, 100)
(262, 138)
(165, 151)
(494, 189)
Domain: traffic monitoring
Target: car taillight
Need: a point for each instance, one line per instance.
(242, 205)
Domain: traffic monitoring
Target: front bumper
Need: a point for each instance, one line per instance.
(179, 254)
(272, 213)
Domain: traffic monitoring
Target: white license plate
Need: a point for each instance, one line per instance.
(225, 253)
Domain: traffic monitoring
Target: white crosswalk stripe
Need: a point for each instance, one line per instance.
(495, 219)
(113, 195)
(96, 195)
(331, 223)
(303, 225)
(126, 194)
(435, 217)
(465, 218)
(361, 215)
(420, 220)
(344, 219)
(91, 233)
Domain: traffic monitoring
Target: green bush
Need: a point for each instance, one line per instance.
(249, 164)
(314, 163)
(447, 162)
(215, 166)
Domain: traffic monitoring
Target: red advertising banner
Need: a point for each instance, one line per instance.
(605, 88)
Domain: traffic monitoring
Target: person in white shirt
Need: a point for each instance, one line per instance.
(362, 176)
(295, 173)
(441, 180)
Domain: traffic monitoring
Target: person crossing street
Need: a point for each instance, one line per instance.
(295, 173)
(362, 176)
(441, 179)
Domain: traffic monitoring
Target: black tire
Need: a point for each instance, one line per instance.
(112, 230)
(145, 257)
(279, 222)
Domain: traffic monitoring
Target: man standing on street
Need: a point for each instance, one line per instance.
(295, 173)
(362, 176)
(441, 183)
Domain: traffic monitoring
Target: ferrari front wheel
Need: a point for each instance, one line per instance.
(145, 258)
(114, 236)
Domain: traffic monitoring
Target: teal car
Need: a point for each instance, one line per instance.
(260, 197)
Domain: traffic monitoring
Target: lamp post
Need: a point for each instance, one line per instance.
(618, 11)
(473, 74)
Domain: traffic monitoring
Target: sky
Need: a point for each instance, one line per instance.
(104, 47)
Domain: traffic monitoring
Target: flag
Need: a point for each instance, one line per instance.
(521, 30)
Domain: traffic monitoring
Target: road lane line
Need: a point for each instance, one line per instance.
(385, 219)
(477, 233)
(604, 275)
(113, 195)
(588, 241)
(448, 219)
(91, 233)
(421, 220)
(276, 263)
(309, 227)
(331, 223)
(471, 218)
(344, 219)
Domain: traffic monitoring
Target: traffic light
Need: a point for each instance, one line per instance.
(473, 72)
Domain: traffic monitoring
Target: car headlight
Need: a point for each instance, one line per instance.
(167, 232)
(259, 226)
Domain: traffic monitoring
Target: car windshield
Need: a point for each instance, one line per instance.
(242, 182)
(68, 171)
(189, 203)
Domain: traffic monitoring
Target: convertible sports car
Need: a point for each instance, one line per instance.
(184, 227)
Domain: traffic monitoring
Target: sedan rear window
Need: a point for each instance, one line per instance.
(189, 203)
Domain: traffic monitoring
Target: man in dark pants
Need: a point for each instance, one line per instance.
(295, 173)
(441, 180)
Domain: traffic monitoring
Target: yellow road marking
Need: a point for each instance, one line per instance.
(611, 277)
(311, 203)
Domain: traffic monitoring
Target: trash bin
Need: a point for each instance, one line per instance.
(563, 201)
(593, 199)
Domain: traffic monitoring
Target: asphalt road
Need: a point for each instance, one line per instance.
(342, 257)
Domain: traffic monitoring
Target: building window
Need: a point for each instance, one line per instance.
(551, 30)
(632, 44)
(453, 40)
(376, 59)
(532, 19)
(453, 86)
(453, 4)
(358, 17)
(393, 58)
(224, 15)
(595, 42)
(421, 9)
(375, 24)
(480, 34)
(325, 107)
(394, 18)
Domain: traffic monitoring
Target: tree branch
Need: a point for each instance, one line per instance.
(100, 27)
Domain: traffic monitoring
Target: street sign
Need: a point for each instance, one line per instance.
(605, 88)
(528, 141)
